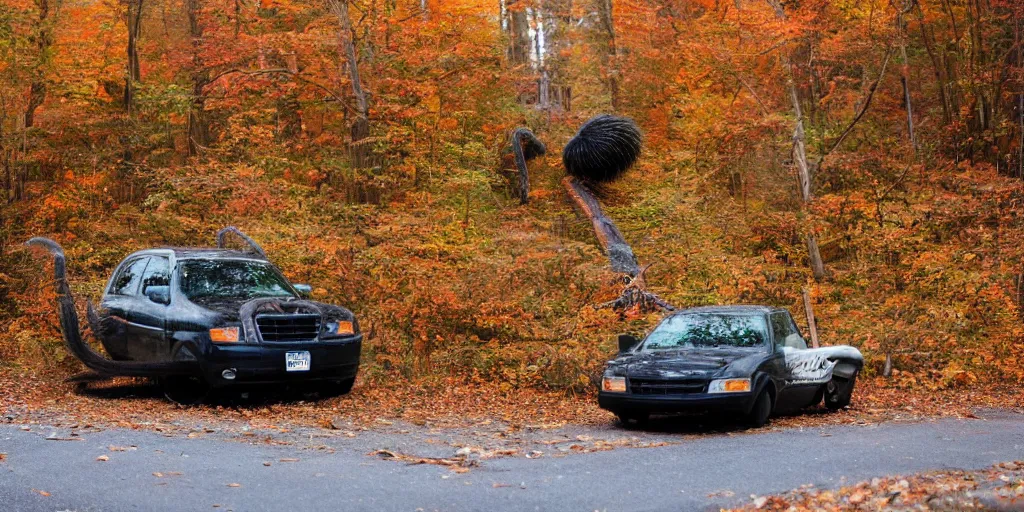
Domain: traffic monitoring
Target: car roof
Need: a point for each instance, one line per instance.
(201, 253)
(740, 309)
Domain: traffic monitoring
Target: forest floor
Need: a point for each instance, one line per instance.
(453, 404)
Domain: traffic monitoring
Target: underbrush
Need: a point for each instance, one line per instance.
(451, 278)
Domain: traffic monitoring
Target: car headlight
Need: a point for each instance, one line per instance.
(613, 384)
(729, 386)
(340, 328)
(224, 335)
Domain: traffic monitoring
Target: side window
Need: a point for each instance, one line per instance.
(127, 280)
(778, 329)
(158, 273)
(798, 340)
(785, 333)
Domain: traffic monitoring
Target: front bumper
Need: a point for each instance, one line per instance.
(690, 402)
(330, 359)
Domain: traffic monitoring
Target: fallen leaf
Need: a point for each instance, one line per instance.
(42, 493)
(858, 497)
(102, 458)
(55, 437)
(288, 460)
(158, 474)
(234, 485)
(266, 463)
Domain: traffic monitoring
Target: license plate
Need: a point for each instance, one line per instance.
(297, 361)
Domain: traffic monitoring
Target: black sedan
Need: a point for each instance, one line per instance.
(201, 319)
(746, 360)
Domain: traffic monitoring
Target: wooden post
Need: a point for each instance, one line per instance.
(811, 325)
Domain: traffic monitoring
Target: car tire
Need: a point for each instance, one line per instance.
(633, 418)
(761, 411)
(839, 392)
(184, 389)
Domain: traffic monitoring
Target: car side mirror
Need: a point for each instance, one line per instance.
(304, 289)
(159, 294)
(627, 342)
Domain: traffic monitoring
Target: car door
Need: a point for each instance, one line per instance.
(120, 298)
(796, 393)
(147, 340)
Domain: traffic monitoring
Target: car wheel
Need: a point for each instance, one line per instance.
(762, 410)
(184, 389)
(633, 418)
(839, 392)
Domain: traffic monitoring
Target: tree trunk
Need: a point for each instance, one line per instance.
(803, 167)
(620, 253)
(939, 69)
(905, 76)
(347, 55)
(518, 26)
(1019, 43)
(198, 131)
(36, 96)
(606, 11)
(133, 72)
(8, 185)
(44, 40)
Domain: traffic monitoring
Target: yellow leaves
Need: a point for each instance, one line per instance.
(432, 103)
(954, 375)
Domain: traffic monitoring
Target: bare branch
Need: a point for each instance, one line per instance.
(863, 109)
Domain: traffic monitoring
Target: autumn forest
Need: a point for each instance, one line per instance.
(866, 153)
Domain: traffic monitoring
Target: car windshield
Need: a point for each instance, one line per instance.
(241, 279)
(707, 330)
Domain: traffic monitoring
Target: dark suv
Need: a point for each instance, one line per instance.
(232, 313)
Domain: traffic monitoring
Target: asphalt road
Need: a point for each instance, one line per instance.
(179, 473)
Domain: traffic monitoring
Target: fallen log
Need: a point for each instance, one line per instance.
(603, 149)
(620, 253)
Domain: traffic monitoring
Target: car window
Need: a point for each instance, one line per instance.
(795, 340)
(158, 273)
(127, 280)
(703, 330)
(211, 280)
(785, 333)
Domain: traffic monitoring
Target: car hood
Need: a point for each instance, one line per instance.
(227, 306)
(690, 363)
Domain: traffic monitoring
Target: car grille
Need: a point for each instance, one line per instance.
(666, 387)
(288, 328)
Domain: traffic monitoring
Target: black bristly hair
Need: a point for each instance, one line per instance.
(604, 148)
